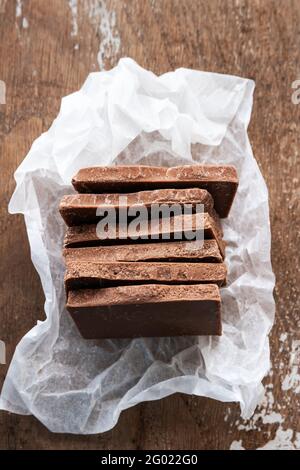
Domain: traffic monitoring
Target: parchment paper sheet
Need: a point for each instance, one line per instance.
(182, 117)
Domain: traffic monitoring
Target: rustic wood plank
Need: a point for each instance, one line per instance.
(42, 63)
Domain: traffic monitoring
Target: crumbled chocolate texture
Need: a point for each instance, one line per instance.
(81, 274)
(221, 181)
(77, 209)
(194, 251)
(180, 227)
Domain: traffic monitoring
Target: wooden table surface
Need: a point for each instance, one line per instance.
(47, 50)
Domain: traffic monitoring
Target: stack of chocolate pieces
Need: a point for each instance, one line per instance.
(160, 283)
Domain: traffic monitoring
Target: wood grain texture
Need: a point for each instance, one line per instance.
(42, 63)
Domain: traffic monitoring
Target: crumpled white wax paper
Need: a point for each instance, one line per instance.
(78, 386)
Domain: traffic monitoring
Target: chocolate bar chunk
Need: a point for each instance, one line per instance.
(176, 228)
(77, 209)
(81, 274)
(219, 180)
(206, 251)
(146, 310)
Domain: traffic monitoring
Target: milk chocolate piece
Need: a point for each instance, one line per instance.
(81, 274)
(194, 251)
(77, 209)
(219, 180)
(146, 310)
(86, 235)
